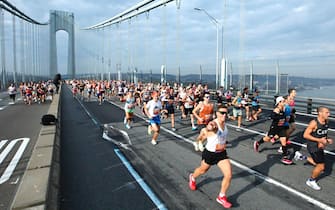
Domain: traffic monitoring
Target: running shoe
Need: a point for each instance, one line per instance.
(256, 146)
(149, 130)
(224, 202)
(196, 146)
(280, 150)
(313, 184)
(286, 161)
(194, 128)
(153, 142)
(192, 184)
(201, 146)
(173, 129)
(273, 140)
(299, 156)
(238, 129)
(128, 126)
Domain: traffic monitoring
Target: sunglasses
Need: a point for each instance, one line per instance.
(223, 113)
(207, 96)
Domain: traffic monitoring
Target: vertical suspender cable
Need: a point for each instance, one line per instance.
(27, 53)
(178, 41)
(14, 51)
(241, 66)
(129, 52)
(3, 52)
(96, 56)
(146, 42)
(103, 55)
(118, 67)
(33, 51)
(22, 66)
(224, 38)
(39, 50)
(109, 53)
(164, 42)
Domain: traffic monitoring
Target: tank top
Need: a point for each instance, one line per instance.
(215, 141)
(320, 132)
(206, 113)
(130, 103)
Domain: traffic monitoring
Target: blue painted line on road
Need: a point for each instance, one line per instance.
(140, 181)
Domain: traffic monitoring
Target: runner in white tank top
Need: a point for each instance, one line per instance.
(216, 134)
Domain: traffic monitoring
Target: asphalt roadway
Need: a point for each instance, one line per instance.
(99, 174)
(19, 130)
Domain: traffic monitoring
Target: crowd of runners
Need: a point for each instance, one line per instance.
(32, 92)
(208, 112)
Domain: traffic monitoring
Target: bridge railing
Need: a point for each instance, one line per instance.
(303, 105)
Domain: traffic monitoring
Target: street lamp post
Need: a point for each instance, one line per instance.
(217, 24)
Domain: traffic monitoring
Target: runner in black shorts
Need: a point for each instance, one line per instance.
(277, 130)
(316, 136)
(216, 133)
(168, 111)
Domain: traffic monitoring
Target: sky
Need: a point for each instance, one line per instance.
(298, 37)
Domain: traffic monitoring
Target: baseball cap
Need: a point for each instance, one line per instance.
(279, 99)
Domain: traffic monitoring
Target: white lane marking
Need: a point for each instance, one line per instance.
(256, 173)
(87, 112)
(2, 142)
(283, 186)
(10, 168)
(2, 108)
(140, 181)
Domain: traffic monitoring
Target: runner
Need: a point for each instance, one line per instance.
(255, 107)
(291, 102)
(204, 113)
(245, 103)
(316, 136)
(168, 110)
(237, 110)
(12, 93)
(189, 102)
(216, 133)
(129, 108)
(277, 130)
(152, 110)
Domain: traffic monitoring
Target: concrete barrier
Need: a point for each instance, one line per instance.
(40, 183)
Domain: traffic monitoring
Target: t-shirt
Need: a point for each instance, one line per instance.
(154, 108)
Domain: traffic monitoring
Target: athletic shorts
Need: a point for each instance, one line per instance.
(170, 109)
(155, 120)
(131, 111)
(255, 108)
(237, 112)
(280, 131)
(212, 158)
(318, 156)
(188, 111)
(292, 118)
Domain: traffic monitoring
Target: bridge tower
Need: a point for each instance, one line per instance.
(61, 20)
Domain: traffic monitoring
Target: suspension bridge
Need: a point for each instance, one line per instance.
(88, 160)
